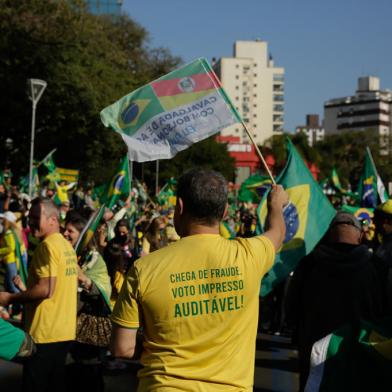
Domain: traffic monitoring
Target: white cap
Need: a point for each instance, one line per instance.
(9, 216)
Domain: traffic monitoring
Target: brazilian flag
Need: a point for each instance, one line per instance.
(371, 188)
(118, 185)
(307, 218)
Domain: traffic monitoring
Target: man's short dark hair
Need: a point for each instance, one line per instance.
(204, 194)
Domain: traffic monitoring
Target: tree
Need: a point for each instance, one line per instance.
(207, 154)
(88, 63)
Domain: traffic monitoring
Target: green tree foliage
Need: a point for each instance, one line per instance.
(88, 63)
(207, 154)
(344, 151)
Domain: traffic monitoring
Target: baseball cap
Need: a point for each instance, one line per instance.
(345, 218)
(9, 216)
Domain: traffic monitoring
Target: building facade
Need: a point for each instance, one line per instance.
(104, 7)
(369, 109)
(313, 130)
(256, 88)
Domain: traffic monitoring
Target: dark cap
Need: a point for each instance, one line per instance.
(345, 218)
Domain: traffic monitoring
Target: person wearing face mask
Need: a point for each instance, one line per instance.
(123, 238)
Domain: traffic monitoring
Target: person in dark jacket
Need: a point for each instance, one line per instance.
(336, 283)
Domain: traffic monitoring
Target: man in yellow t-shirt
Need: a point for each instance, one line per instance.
(50, 300)
(197, 299)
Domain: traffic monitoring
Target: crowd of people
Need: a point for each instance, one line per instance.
(163, 275)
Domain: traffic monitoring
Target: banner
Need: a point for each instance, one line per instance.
(173, 112)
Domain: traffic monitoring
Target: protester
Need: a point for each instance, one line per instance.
(336, 283)
(12, 254)
(94, 307)
(155, 236)
(50, 300)
(189, 325)
(117, 268)
(123, 237)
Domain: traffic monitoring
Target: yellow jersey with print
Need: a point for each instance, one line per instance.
(197, 300)
(53, 319)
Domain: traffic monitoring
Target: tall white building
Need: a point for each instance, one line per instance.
(313, 130)
(369, 109)
(256, 88)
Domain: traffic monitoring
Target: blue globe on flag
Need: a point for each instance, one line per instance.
(291, 219)
(130, 113)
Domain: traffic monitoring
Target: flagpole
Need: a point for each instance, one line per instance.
(157, 177)
(259, 153)
(130, 167)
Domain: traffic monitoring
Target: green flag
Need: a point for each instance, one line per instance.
(24, 182)
(307, 218)
(118, 185)
(250, 188)
(371, 188)
(336, 180)
(356, 357)
(48, 162)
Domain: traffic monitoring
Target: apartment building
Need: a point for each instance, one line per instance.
(313, 130)
(256, 88)
(368, 109)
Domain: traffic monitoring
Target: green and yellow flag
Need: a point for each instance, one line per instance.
(307, 218)
(118, 185)
(371, 188)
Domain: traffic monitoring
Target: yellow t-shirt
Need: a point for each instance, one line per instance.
(53, 319)
(199, 301)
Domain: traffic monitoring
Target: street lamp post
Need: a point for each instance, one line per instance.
(36, 88)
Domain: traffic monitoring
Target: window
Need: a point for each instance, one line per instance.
(236, 87)
(255, 95)
(278, 78)
(246, 120)
(246, 99)
(255, 85)
(255, 115)
(237, 77)
(255, 75)
(255, 106)
(245, 83)
(278, 98)
(236, 98)
(237, 66)
(278, 108)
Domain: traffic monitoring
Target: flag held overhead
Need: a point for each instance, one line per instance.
(168, 115)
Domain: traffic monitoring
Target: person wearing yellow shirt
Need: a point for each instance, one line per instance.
(62, 189)
(50, 300)
(197, 299)
(12, 250)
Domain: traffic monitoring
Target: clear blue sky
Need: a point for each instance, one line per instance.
(324, 46)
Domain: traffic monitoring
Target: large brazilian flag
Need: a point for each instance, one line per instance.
(307, 218)
(169, 114)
